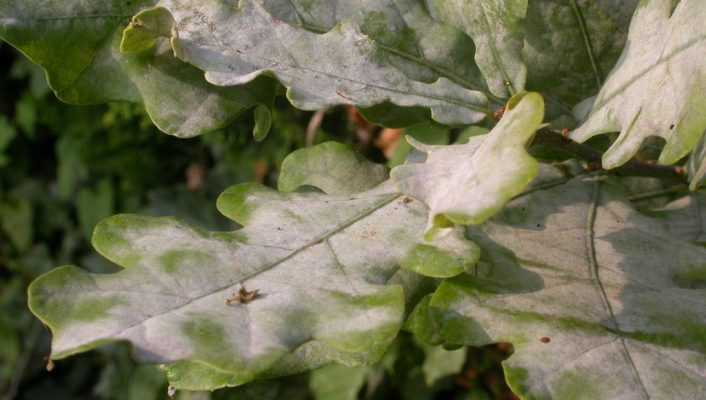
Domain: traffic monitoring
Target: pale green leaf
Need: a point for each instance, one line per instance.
(440, 362)
(234, 45)
(472, 131)
(145, 29)
(425, 132)
(337, 382)
(404, 32)
(496, 29)
(422, 48)
(599, 300)
(78, 44)
(326, 268)
(468, 183)
(332, 167)
(657, 87)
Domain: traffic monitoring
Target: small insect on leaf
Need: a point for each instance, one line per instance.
(50, 365)
(243, 296)
(171, 391)
(545, 339)
(407, 200)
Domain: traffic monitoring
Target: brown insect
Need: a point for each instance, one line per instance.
(545, 339)
(407, 200)
(243, 296)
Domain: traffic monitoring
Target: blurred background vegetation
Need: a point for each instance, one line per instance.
(63, 168)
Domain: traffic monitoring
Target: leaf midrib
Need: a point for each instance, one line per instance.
(442, 71)
(345, 225)
(594, 272)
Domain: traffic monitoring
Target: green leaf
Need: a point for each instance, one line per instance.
(26, 115)
(326, 268)
(496, 29)
(570, 45)
(78, 44)
(7, 135)
(333, 167)
(338, 382)
(391, 116)
(405, 34)
(95, 204)
(655, 90)
(472, 131)
(16, 219)
(145, 29)
(342, 66)
(425, 132)
(558, 47)
(696, 166)
(469, 183)
(599, 300)
(440, 362)
(263, 123)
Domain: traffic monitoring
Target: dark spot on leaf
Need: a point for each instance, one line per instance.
(545, 339)
(243, 296)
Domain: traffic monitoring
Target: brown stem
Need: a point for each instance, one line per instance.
(551, 139)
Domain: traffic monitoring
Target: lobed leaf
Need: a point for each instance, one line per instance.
(234, 45)
(656, 89)
(558, 47)
(326, 269)
(599, 300)
(570, 46)
(78, 43)
(496, 29)
(468, 183)
(403, 30)
(332, 167)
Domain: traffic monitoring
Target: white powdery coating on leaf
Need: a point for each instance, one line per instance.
(343, 66)
(467, 184)
(658, 86)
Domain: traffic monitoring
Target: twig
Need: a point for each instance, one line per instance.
(660, 193)
(552, 139)
(313, 127)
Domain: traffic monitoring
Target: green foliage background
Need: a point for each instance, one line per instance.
(64, 168)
